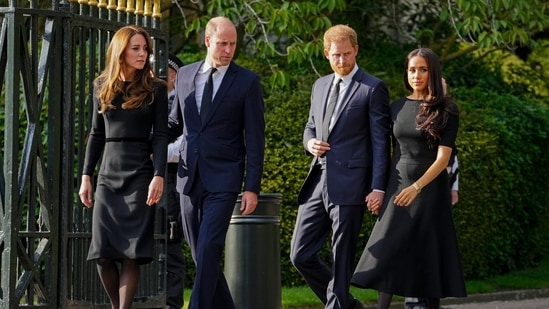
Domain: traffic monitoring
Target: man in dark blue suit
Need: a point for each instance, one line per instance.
(219, 108)
(348, 135)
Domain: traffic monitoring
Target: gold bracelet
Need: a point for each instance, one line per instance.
(417, 187)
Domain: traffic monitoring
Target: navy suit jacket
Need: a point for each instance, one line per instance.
(231, 141)
(358, 160)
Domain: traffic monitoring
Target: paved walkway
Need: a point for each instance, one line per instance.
(522, 299)
(537, 303)
(526, 299)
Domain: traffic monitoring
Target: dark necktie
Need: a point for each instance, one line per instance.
(332, 101)
(207, 95)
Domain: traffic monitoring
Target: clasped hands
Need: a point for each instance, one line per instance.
(373, 200)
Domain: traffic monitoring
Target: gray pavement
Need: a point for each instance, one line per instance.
(537, 303)
(522, 299)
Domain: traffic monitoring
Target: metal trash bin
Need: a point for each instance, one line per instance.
(252, 255)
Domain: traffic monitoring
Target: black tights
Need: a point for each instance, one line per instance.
(384, 301)
(119, 285)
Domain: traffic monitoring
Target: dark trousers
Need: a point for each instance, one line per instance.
(316, 219)
(206, 218)
(175, 277)
(175, 261)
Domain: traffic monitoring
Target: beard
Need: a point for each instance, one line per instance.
(343, 70)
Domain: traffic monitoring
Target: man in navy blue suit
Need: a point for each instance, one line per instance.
(219, 108)
(347, 134)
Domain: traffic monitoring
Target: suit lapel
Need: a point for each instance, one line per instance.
(324, 99)
(351, 89)
(224, 87)
(193, 108)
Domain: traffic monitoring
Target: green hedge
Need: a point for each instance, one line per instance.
(503, 144)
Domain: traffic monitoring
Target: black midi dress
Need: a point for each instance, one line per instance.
(413, 251)
(122, 223)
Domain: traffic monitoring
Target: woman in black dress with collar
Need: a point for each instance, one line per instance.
(128, 126)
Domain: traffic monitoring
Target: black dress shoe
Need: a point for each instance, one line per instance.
(356, 305)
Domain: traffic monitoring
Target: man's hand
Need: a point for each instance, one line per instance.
(373, 201)
(317, 147)
(455, 197)
(249, 202)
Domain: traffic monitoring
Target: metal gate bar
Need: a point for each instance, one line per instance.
(50, 56)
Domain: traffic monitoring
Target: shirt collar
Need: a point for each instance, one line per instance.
(347, 79)
(206, 68)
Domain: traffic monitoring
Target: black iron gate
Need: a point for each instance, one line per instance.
(50, 57)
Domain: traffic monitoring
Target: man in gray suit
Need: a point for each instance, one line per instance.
(218, 106)
(347, 134)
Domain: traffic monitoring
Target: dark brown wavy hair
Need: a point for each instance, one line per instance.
(437, 105)
(108, 85)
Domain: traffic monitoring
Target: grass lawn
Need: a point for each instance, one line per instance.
(534, 278)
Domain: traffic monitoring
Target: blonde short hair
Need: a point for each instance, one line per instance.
(339, 33)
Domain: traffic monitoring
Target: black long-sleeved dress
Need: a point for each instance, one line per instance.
(123, 224)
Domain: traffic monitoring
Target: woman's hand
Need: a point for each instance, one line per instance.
(155, 190)
(406, 196)
(85, 193)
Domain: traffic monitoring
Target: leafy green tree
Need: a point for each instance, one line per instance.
(267, 29)
(452, 27)
(495, 24)
(293, 29)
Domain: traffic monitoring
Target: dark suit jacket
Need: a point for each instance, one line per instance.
(358, 160)
(232, 138)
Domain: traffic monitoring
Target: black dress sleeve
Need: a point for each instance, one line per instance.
(160, 131)
(448, 134)
(96, 140)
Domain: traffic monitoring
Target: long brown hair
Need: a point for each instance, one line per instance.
(108, 84)
(437, 105)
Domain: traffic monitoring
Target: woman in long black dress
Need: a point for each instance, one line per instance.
(128, 125)
(412, 250)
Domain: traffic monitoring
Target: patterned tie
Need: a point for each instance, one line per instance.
(332, 101)
(207, 95)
